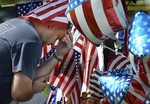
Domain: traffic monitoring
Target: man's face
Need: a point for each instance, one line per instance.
(55, 34)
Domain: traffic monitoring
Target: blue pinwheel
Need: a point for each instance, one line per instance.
(115, 85)
(139, 35)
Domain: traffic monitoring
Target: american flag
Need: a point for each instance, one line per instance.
(51, 13)
(91, 60)
(65, 72)
(55, 95)
(139, 39)
(24, 8)
(64, 75)
(94, 17)
(47, 51)
(118, 62)
(94, 89)
(78, 49)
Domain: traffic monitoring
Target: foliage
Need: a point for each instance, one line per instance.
(4, 2)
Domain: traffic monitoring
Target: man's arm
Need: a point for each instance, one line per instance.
(23, 87)
(62, 48)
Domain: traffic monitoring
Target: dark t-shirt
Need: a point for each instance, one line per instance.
(20, 50)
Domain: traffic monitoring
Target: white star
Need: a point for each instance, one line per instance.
(145, 23)
(71, 5)
(135, 52)
(107, 93)
(135, 35)
(121, 95)
(111, 98)
(147, 102)
(81, 0)
(111, 90)
(103, 87)
(148, 40)
(130, 39)
(118, 98)
(141, 48)
(129, 46)
(75, 3)
(132, 49)
(117, 90)
(138, 28)
(134, 23)
(144, 45)
(140, 18)
(148, 17)
(147, 50)
(114, 94)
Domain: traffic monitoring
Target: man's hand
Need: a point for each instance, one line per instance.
(64, 45)
(39, 84)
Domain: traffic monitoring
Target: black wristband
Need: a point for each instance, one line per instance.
(57, 57)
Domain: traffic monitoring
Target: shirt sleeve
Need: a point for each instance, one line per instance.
(25, 57)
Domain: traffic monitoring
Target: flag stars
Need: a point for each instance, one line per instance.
(134, 23)
(145, 23)
(148, 40)
(75, 3)
(107, 93)
(121, 95)
(144, 45)
(111, 98)
(139, 28)
(140, 18)
(81, 0)
(103, 87)
(71, 6)
(147, 50)
(148, 17)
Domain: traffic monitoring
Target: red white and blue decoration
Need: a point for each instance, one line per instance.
(139, 35)
(97, 20)
(115, 85)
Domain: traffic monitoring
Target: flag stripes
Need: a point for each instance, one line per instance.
(94, 88)
(103, 26)
(118, 62)
(50, 13)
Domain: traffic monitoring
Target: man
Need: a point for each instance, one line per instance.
(21, 42)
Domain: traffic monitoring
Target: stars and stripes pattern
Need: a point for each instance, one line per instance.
(115, 86)
(65, 72)
(94, 88)
(139, 87)
(139, 38)
(51, 13)
(78, 47)
(55, 95)
(92, 16)
(24, 8)
(47, 52)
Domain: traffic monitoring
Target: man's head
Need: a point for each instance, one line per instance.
(52, 20)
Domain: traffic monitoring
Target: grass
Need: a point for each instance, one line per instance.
(45, 93)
